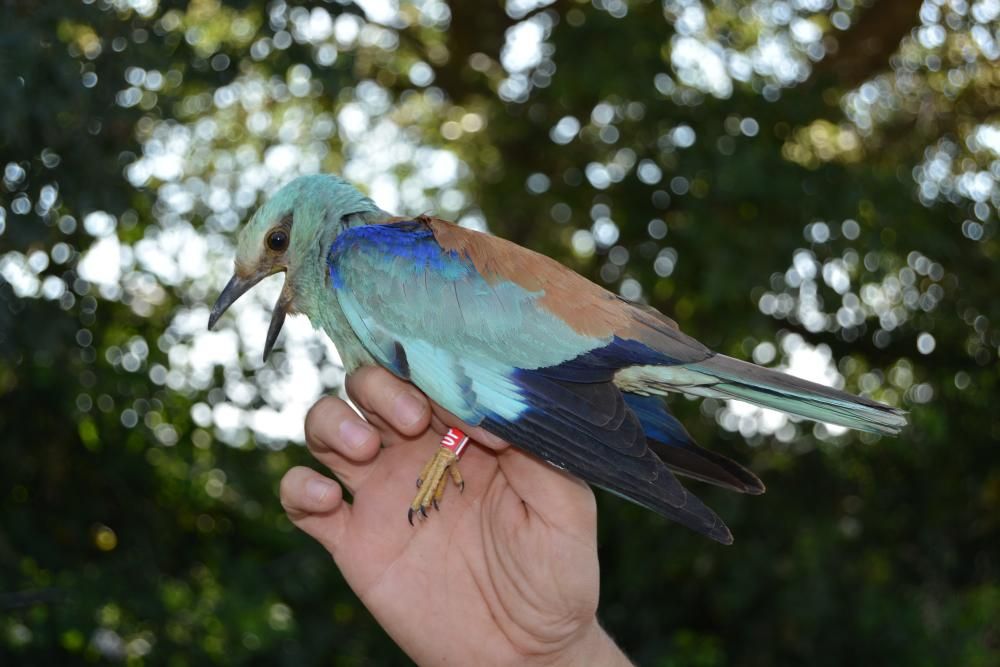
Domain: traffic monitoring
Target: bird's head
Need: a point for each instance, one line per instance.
(286, 234)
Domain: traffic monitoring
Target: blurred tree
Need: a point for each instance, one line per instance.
(808, 183)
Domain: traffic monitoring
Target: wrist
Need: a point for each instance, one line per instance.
(593, 647)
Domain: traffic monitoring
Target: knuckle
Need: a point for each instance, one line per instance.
(290, 482)
(319, 416)
(356, 386)
(371, 387)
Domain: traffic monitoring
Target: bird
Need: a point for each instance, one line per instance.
(516, 343)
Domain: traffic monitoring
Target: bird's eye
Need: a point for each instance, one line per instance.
(277, 240)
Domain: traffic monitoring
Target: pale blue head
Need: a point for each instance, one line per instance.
(290, 233)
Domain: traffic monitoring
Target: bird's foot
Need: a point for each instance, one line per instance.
(434, 477)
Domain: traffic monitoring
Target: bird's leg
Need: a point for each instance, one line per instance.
(434, 477)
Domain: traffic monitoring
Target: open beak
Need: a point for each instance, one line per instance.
(277, 319)
(237, 287)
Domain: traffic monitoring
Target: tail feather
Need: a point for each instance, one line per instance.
(720, 376)
(787, 393)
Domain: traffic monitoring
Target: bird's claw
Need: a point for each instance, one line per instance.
(432, 482)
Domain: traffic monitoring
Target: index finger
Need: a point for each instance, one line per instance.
(401, 405)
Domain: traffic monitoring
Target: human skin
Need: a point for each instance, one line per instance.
(506, 573)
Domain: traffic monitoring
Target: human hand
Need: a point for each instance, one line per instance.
(505, 573)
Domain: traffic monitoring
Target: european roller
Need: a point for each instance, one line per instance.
(516, 343)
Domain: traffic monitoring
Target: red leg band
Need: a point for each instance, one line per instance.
(455, 441)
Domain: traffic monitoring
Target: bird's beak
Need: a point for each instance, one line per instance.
(237, 287)
(277, 319)
(234, 289)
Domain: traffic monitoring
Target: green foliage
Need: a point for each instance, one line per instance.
(777, 176)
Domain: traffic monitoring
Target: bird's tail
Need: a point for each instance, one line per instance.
(720, 376)
(787, 393)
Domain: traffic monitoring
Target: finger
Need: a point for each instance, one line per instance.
(399, 403)
(315, 505)
(342, 441)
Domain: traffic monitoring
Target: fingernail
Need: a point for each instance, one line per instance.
(318, 489)
(355, 432)
(409, 408)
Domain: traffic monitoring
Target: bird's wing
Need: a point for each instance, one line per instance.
(671, 442)
(513, 341)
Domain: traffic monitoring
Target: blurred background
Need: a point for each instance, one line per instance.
(811, 184)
